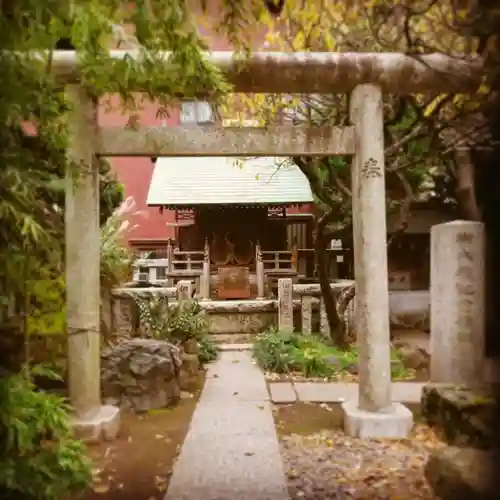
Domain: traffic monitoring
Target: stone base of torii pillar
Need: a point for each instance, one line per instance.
(395, 421)
(373, 414)
(99, 424)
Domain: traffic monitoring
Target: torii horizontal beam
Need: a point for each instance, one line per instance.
(323, 72)
(226, 141)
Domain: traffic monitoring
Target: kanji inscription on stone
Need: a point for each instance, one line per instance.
(285, 304)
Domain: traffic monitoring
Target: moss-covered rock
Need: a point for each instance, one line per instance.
(462, 416)
(454, 473)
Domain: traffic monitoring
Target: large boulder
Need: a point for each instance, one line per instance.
(410, 309)
(141, 374)
(455, 473)
(463, 417)
(414, 356)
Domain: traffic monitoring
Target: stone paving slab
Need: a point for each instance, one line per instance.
(233, 377)
(282, 392)
(325, 392)
(337, 392)
(231, 450)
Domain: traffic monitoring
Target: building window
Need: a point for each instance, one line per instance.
(196, 113)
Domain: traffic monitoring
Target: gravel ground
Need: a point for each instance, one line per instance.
(330, 465)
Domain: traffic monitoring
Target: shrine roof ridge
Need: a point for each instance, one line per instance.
(194, 181)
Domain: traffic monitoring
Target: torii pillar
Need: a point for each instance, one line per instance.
(92, 421)
(373, 414)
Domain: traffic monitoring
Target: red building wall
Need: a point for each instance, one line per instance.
(146, 223)
(135, 173)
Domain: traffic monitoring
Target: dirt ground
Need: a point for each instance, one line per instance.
(138, 465)
(309, 418)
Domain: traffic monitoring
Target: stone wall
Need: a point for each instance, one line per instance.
(240, 316)
(124, 320)
(409, 310)
(143, 374)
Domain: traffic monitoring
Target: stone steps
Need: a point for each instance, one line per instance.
(235, 347)
(232, 338)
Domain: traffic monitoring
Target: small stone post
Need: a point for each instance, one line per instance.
(184, 290)
(374, 415)
(82, 240)
(324, 326)
(457, 303)
(306, 313)
(205, 278)
(259, 271)
(285, 304)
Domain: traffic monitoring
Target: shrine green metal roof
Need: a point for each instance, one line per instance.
(191, 181)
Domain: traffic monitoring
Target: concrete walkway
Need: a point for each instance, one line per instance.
(231, 450)
(336, 392)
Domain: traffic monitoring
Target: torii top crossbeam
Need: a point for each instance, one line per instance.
(324, 72)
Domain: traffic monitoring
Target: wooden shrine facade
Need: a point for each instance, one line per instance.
(234, 252)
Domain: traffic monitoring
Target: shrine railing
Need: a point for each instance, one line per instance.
(275, 264)
(194, 265)
(280, 262)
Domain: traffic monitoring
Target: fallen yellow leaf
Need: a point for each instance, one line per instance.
(100, 488)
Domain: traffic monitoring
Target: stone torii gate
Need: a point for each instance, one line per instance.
(366, 76)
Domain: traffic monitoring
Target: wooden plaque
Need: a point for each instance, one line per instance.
(234, 282)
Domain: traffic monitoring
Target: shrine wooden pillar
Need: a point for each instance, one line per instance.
(170, 256)
(205, 291)
(259, 271)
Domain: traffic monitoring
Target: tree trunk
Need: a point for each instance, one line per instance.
(465, 190)
(324, 280)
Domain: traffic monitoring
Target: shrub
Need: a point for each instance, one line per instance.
(186, 320)
(275, 351)
(209, 351)
(39, 458)
(285, 352)
(398, 369)
(153, 316)
(116, 257)
(177, 323)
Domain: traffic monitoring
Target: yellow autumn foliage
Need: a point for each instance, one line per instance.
(361, 26)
